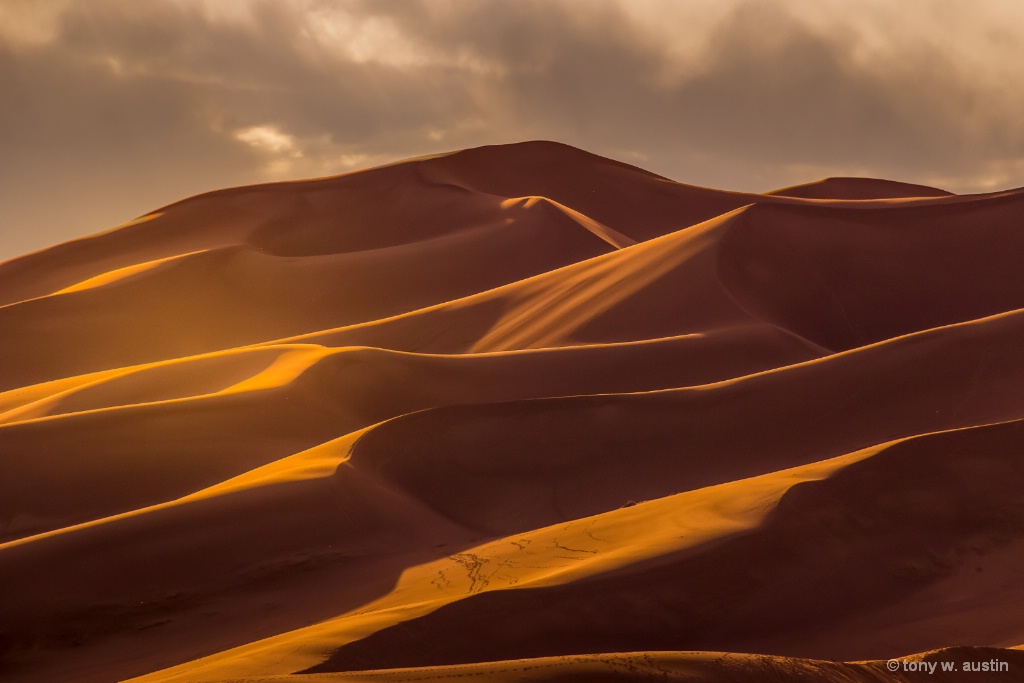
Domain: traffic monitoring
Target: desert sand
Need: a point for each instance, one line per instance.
(518, 413)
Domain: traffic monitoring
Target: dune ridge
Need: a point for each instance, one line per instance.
(517, 412)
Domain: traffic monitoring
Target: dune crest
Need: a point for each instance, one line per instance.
(858, 188)
(516, 413)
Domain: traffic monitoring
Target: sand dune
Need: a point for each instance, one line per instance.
(232, 296)
(833, 549)
(615, 448)
(830, 276)
(848, 278)
(858, 188)
(517, 413)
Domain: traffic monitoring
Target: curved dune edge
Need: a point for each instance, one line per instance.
(120, 274)
(691, 667)
(233, 371)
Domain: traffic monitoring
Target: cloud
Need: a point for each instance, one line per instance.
(113, 107)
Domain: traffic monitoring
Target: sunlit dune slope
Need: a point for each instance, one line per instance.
(517, 413)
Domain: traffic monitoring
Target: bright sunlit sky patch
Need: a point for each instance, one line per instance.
(111, 108)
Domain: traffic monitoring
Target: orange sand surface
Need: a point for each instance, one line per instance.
(518, 413)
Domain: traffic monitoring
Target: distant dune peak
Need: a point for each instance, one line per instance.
(858, 188)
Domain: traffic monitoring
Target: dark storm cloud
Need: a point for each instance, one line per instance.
(771, 92)
(112, 108)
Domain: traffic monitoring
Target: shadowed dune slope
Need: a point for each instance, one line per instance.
(845, 278)
(518, 413)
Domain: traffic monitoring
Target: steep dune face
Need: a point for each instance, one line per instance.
(506, 412)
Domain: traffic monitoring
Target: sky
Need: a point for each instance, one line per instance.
(112, 108)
